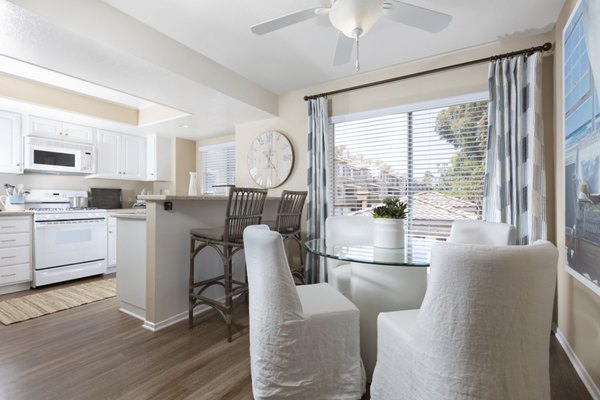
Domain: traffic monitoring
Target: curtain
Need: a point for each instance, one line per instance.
(318, 136)
(591, 16)
(515, 179)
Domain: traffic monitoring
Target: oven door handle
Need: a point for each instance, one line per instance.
(66, 224)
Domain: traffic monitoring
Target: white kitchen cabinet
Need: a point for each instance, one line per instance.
(45, 127)
(131, 266)
(112, 244)
(121, 156)
(11, 153)
(158, 156)
(15, 251)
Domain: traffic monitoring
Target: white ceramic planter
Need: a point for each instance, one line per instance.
(388, 233)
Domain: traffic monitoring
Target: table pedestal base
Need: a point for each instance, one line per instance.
(381, 288)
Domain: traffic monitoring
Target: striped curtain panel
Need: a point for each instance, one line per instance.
(318, 127)
(515, 178)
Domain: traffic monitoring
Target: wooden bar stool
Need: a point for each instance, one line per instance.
(289, 218)
(244, 208)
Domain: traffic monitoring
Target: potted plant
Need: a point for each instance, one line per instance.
(389, 224)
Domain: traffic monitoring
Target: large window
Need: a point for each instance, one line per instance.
(434, 159)
(217, 167)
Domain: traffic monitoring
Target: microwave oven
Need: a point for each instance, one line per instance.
(47, 155)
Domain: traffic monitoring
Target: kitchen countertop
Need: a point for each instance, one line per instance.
(127, 211)
(15, 213)
(170, 197)
(130, 213)
(139, 216)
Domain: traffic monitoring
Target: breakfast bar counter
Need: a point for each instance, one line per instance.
(169, 219)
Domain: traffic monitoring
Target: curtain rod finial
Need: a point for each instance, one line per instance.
(547, 46)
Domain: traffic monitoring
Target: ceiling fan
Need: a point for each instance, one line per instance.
(354, 18)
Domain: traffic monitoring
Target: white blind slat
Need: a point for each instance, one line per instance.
(441, 167)
(218, 168)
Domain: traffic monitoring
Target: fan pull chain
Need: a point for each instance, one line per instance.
(357, 58)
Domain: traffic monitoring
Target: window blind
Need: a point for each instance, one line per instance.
(218, 168)
(433, 159)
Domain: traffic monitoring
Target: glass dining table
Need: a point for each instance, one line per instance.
(414, 254)
(381, 280)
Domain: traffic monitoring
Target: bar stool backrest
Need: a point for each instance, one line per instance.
(289, 212)
(244, 207)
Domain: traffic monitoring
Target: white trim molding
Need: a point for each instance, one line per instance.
(155, 327)
(579, 368)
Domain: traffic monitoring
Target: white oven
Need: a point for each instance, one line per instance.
(64, 243)
(46, 155)
(69, 243)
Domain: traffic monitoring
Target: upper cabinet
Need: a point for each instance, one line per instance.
(45, 127)
(121, 156)
(158, 155)
(11, 153)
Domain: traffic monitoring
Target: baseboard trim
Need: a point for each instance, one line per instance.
(579, 368)
(17, 287)
(155, 327)
(131, 313)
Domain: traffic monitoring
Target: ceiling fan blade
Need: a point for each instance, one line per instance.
(418, 17)
(343, 50)
(286, 20)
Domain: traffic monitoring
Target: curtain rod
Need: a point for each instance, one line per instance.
(545, 47)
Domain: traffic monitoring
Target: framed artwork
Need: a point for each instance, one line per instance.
(581, 122)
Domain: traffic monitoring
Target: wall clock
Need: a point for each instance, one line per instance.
(270, 159)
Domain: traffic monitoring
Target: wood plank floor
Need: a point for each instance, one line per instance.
(96, 352)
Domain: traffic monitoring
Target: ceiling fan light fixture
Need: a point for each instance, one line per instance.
(349, 15)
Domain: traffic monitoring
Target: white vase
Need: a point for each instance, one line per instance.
(388, 233)
(193, 188)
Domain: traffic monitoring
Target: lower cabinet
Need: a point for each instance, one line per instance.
(112, 244)
(15, 251)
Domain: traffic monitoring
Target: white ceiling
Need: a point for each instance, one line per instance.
(223, 74)
(301, 55)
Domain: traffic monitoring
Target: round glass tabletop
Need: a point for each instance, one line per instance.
(415, 254)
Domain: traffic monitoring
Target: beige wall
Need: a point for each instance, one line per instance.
(184, 162)
(49, 181)
(31, 92)
(578, 307)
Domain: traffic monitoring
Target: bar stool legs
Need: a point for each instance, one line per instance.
(232, 288)
(244, 208)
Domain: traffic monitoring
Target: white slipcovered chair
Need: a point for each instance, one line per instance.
(482, 331)
(304, 341)
(345, 230)
(482, 232)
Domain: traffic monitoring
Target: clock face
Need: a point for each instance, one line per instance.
(270, 159)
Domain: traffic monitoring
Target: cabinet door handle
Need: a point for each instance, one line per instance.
(8, 240)
(7, 257)
(8, 275)
(8, 226)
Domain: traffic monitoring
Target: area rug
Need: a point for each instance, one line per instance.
(35, 305)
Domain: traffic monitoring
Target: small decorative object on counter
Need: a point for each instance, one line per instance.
(389, 224)
(14, 199)
(193, 188)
